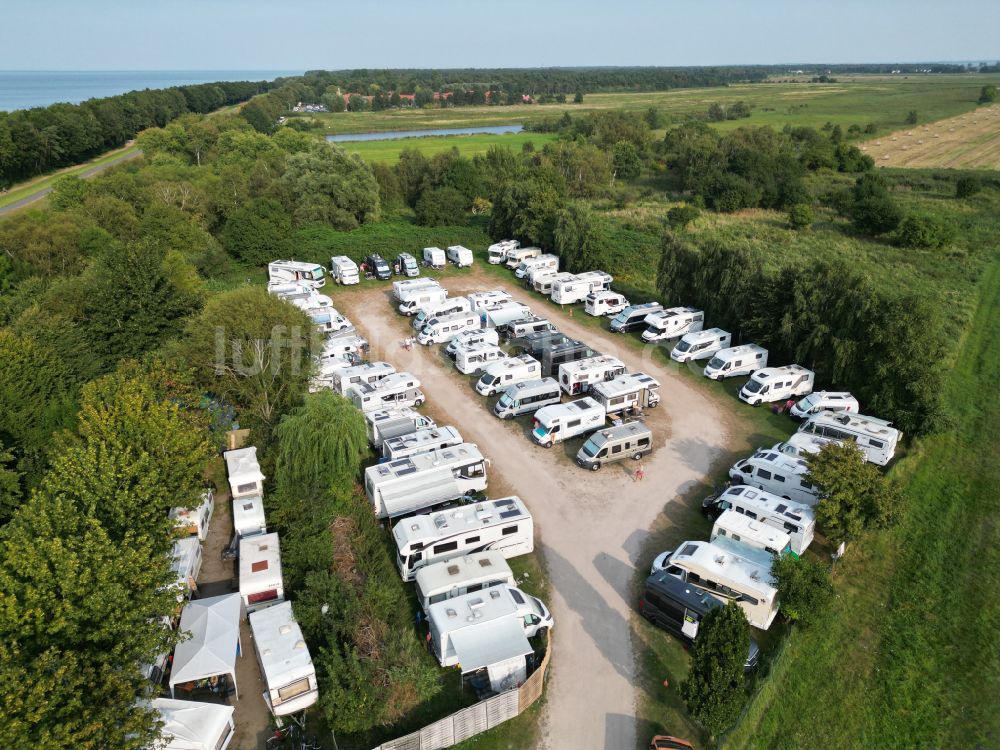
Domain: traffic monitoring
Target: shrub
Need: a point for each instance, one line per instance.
(714, 688)
(922, 230)
(680, 216)
(800, 216)
(444, 205)
(804, 588)
(967, 186)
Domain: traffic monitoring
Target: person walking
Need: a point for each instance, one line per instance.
(639, 474)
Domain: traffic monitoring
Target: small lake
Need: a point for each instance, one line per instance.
(390, 135)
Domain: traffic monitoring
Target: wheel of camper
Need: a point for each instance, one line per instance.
(508, 416)
(596, 466)
(636, 456)
(757, 402)
(418, 402)
(547, 445)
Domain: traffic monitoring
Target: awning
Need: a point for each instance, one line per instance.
(490, 643)
(214, 625)
(190, 725)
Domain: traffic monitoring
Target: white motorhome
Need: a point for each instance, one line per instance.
(729, 572)
(629, 391)
(736, 361)
(293, 270)
(777, 384)
(422, 481)
(387, 423)
(876, 438)
(503, 526)
(776, 472)
(422, 298)
(421, 441)
(441, 581)
(740, 528)
(497, 252)
(488, 300)
(368, 372)
(579, 376)
(248, 516)
(434, 257)
(526, 397)
(515, 329)
(460, 256)
(543, 281)
(798, 520)
(604, 303)
(516, 256)
(504, 314)
(260, 572)
(475, 357)
(343, 270)
(700, 345)
(832, 401)
(401, 289)
(559, 422)
(244, 472)
(342, 347)
(443, 328)
(329, 320)
(195, 521)
(290, 684)
(471, 338)
(673, 322)
(397, 389)
(575, 289)
(506, 372)
(406, 264)
(449, 306)
(539, 262)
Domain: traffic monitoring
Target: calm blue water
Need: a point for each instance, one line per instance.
(22, 89)
(393, 134)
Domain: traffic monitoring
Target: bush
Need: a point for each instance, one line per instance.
(680, 216)
(922, 230)
(800, 216)
(967, 186)
(714, 688)
(444, 205)
(258, 232)
(804, 588)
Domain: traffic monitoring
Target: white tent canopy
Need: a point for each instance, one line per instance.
(189, 725)
(214, 625)
(490, 643)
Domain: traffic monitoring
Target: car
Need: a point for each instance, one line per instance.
(376, 266)
(666, 742)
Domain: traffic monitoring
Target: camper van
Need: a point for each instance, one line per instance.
(443, 328)
(449, 306)
(293, 270)
(244, 472)
(777, 384)
(740, 528)
(633, 317)
(679, 607)
(833, 401)
(388, 423)
(338, 347)
(503, 525)
(402, 289)
(445, 580)
(559, 422)
(421, 441)
(572, 290)
(876, 438)
(260, 572)
(369, 372)
(627, 392)
(673, 322)
(424, 298)
(195, 521)
(526, 397)
(248, 516)
(343, 270)
(471, 338)
(604, 303)
(497, 252)
(488, 300)
(516, 256)
(460, 256)
(425, 480)
(406, 265)
(376, 266)
(290, 684)
(522, 327)
(476, 357)
(506, 372)
(543, 281)
(784, 475)
(736, 361)
(798, 520)
(547, 261)
(397, 389)
(630, 440)
(700, 345)
(579, 376)
(434, 257)
(329, 320)
(728, 571)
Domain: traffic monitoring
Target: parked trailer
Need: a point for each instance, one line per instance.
(434, 257)
(397, 389)
(736, 361)
(700, 345)
(673, 322)
(559, 422)
(499, 375)
(497, 252)
(627, 392)
(777, 384)
(572, 290)
(421, 441)
(369, 372)
(876, 438)
(294, 270)
(388, 423)
(579, 376)
(776, 472)
(260, 572)
(616, 443)
(476, 357)
(832, 401)
(248, 516)
(633, 317)
(488, 300)
(504, 314)
(343, 270)
(423, 298)
(443, 328)
(403, 288)
(406, 265)
(503, 526)
(448, 579)
(244, 473)
(604, 303)
(547, 261)
(544, 281)
(798, 520)
(469, 338)
(526, 397)
(449, 306)
(518, 255)
(290, 684)
(740, 528)
(460, 256)
(329, 321)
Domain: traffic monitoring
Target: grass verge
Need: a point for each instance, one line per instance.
(28, 189)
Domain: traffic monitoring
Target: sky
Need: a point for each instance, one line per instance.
(308, 34)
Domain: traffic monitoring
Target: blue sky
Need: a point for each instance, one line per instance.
(301, 34)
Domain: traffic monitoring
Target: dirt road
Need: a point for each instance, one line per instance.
(591, 526)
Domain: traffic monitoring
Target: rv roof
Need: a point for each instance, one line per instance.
(629, 429)
(472, 609)
(601, 361)
(789, 508)
(444, 457)
(260, 557)
(284, 655)
(858, 422)
(584, 404)
(427, 527)
(490, 563)
(732, 521)
(781, 460)
(724, 561)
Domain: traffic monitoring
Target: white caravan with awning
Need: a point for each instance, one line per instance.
(285, 663)
(192, 725)
(260, 572)
(248, 516)
(195, 521)
(214, 628)
(244, 472)
(421, 441)
(186, 554)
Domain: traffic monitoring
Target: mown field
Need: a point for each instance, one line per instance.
(468, 145)
(969, 141)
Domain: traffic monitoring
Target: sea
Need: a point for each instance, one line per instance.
(23, 89)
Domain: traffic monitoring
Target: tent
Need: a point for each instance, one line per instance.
(189, 725)
(214, 625)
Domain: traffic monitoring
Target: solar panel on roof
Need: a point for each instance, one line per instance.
(689, 549)
(510, 513)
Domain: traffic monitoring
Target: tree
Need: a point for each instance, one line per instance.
(716, 112)
(714, 688)
(625, 161)
(578, 97)
(680, 216)
(357, 103)
(444, 205)
(10, 486)
(653, 118)
(872, 209)
(804, 588)
(988, 94)
(258, 232)
(924, 230)
(68, 191)
(967, 186)
(330, 186)
(911, 117)
(800, 216)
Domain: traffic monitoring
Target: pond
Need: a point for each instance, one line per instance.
(390, 135)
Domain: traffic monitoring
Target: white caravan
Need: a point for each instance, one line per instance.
(404, 287)
(543, 281)
(342, 347)
(422, 298)
(449, 306)
(488, 300)
(434, 257)
(579, 376)
(443, 328)
(506, 372)
(186, 557)
(736, 361)
(440, 581)
(505, 314)
(604, 303)
(515, 329)
(421, 441)
(777, 384)
(260, 572)
(503, 525)
(398, 389)
(572, 290)
(293, 270)
(798, 520)
(776, 472)
(471, 338)
(833, 401)
(475, 357)
(497, 252)
(516, 256)
(700, 345)
(425, 480)
(460, 256)
(539, 262)
(526, 397)
(195, 521)
(248, 516)
(630, 391)
(343, 270)
(244, 472)
(559, 422)
(369, 372)
(756, 534)
(388, 423)
(729, 572)
(673, 322)
(329, 320)
(290, 684)
(876, 438)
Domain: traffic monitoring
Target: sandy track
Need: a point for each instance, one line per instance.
(591, 526)
(969, 141)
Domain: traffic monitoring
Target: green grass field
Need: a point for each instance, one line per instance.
(468, 145)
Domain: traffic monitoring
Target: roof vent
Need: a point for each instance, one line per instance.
(453, 570)
(451, 613)
(300, 645)
(494, 594)
(285, 629)
(267, 652)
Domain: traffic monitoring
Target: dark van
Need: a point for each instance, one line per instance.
(376, 265)
(633, 317)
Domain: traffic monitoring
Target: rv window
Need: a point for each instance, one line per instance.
(242, 488)
(876, 443)
(778, 478)
(750, 514)
(693, 578)
(573, 423)
(477, 470)
(749, 599)
(643, 442)
(616, 449)
(508, 530)
(763, 474)
(296, 688)
(446, 547)
(472, 540)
